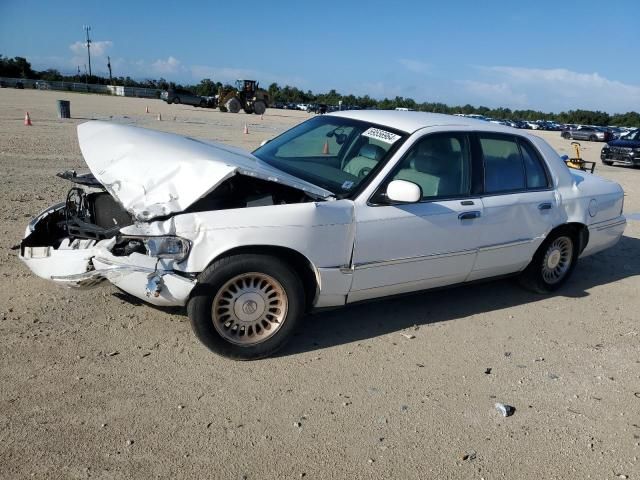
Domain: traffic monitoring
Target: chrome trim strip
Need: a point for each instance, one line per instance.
(611, 225)
(618, 219)
(412, 259)
(515, 243)
(420, 258)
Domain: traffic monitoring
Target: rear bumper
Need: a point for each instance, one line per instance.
(603, 235)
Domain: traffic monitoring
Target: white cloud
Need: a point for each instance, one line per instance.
(415, 66)
(562, 89)
(222, 74)
(496, 94)
(169, 66)
(98, 48)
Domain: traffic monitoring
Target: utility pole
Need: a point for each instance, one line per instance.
(86, 78)
(87, 29)
(109, 67)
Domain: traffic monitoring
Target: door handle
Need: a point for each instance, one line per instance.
(469, 215)
(545, 206)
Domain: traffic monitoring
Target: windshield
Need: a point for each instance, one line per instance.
(632, 135)
(335, 153)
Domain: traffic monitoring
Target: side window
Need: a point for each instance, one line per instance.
(536, 175)
(503, 165)
(439, 164)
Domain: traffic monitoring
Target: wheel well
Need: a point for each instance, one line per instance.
(580, 231)
(301, 264)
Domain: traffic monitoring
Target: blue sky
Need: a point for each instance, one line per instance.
(549, 55)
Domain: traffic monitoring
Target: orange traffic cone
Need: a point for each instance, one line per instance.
(325, 148)
(27, 120)
(246, 129)
(146, 109)
(159, 117)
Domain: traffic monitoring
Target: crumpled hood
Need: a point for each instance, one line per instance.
(154, 174)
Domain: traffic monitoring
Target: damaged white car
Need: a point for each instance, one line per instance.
(341, 208)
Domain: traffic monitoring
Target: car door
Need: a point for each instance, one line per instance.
(406, 247)
(582, 133)
(519, 204)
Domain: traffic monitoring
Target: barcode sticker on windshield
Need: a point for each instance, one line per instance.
(386, 137)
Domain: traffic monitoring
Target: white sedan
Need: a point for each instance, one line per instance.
(341, 208)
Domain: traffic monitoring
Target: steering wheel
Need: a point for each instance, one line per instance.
(364, 171)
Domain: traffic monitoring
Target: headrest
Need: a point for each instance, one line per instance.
(372, 152)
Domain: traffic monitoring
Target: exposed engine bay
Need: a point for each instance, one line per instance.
(91, 213)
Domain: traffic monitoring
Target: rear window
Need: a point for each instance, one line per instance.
(511, 164)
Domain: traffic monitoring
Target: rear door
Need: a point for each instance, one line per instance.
(519, 204)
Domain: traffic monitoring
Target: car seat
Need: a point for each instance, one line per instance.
(367, 158)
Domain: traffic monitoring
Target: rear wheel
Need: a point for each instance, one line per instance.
(553, 263)
(259, 107)
(607, 162)
(176, 100)
(593, 138)
(246, 306)
(203, 103)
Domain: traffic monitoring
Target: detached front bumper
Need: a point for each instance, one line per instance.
(85, 264)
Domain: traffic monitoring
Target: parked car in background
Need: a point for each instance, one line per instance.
(178, 96)
(341, 208)
(587, 132)
(319, 108)
(624, 150)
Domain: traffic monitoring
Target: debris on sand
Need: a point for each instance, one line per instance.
(505, 410)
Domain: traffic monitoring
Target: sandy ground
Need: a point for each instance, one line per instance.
(93, 386)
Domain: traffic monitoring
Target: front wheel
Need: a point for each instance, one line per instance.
(553, 263)
(233, 105)
(607, 162)
(259, 107)
(246, 307)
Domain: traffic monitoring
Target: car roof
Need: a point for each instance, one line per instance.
(412, 121)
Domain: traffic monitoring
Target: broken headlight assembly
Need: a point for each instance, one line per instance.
(166, 247)
(174, 248)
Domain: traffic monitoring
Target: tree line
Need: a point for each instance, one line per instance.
(19, 67)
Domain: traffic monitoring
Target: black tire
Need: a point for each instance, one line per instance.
(607, 162)
(532, 278)
(564, 135)
(203, 103)
(593, 138)
(233, 105)
(259, 107)
(176, 100)
(210, 283)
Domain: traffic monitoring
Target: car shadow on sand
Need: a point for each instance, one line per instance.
(368, 320)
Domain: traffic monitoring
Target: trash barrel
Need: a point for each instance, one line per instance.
(64, 109)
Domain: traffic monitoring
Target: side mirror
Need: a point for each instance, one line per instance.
(404, 192)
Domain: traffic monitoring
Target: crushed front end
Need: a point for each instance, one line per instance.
(78, 243)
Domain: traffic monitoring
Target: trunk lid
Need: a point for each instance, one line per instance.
(155, 174)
